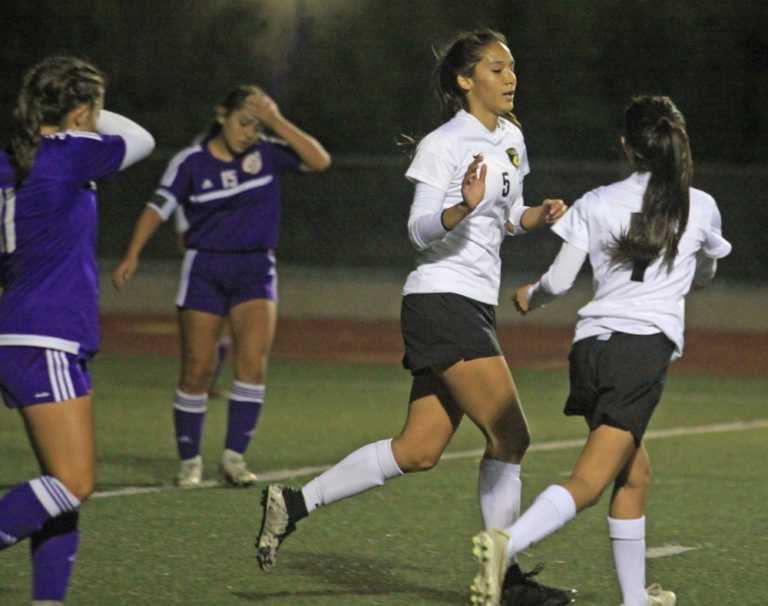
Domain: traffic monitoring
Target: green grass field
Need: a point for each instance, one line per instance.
(408, 542)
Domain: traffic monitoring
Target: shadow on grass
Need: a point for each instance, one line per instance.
(354, 576)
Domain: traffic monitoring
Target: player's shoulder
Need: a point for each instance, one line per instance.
(701, 204)
(510, 128)
(190, 154)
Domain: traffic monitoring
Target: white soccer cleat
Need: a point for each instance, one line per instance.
(657, 596)
(190, 473)
(234, 471)
(660, 597)
(490, 551)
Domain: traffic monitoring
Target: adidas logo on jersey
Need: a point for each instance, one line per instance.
(207, 184)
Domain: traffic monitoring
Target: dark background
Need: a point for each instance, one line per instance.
(357, 74)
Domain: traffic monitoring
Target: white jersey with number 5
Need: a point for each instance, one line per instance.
(632, 299)
(466, 260)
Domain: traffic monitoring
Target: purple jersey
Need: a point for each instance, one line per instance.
(48, 231)
(231, 206)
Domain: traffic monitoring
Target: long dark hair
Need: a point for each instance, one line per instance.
(49, 91)
(656, 142)
(234, 100)
(459, 58)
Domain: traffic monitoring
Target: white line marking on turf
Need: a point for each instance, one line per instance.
(289, 474)
(667, 550)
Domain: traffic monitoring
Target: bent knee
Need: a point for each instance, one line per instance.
(411, 462)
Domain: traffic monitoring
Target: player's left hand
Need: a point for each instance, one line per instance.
(552, 210)
(521, 299)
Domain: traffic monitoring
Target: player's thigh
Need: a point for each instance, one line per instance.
(433, 418)
(62, 435)
(486, 392)
(199, 335)
(252, 325)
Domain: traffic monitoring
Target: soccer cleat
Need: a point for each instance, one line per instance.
(660, 597)
(276, 522)
(490, 551)
(190, 473)
(233, 470)
(519, 589)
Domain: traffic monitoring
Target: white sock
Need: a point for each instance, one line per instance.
(551, 510)
(365, 468)
(499, 488)
(628, 545)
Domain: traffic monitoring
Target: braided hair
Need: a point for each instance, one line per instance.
(49, 91)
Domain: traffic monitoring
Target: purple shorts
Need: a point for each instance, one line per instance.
(33, 375)
(217, 282)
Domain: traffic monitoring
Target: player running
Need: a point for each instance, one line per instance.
(648, 238)
(468, 177)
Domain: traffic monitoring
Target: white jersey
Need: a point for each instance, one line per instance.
(626, 299)
(466, 260)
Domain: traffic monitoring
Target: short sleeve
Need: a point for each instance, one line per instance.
(573, 226)
(433, 164)
(95, 156)
(285, 158)
(176, 183)
(715, 246)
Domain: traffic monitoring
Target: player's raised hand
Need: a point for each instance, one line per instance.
(124, 272)
(473, 184)
(262, 107)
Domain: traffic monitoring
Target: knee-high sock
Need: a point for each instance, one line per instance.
(245, 402)
(628, 546)
(365, 468)
(27, 507)
(499, 488)
(188, 417)
(552, 509)
(54, 549)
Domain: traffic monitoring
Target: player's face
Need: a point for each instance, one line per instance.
(239, 130)
(491, 87)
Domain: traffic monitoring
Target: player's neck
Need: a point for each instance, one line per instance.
(220, 150)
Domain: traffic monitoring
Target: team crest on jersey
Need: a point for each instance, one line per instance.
(252, 163)
(513, 156)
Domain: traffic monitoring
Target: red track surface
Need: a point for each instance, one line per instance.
(714, 352)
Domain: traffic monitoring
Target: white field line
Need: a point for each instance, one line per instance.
(289, 474)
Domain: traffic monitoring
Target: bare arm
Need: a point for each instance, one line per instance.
(314, 156)
(548, 213)
(146, 226)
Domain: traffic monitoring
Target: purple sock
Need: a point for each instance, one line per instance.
(244, 409)
(27, 507)
(53, 556)
(189, 416)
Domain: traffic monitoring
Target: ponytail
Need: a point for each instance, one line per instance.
(657, 142)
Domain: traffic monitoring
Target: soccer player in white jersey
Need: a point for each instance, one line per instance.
(228, 184)
(62, 141)
(649, 238)
(468, 177)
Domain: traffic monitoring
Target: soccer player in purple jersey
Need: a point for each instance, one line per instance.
(229, 187)
(62, 141)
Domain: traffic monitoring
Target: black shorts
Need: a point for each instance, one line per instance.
(618, 381)
(440, 329)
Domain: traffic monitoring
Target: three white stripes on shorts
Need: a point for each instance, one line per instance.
(58, 374)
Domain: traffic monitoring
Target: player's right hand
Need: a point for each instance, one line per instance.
(124, 272)
(473, 183)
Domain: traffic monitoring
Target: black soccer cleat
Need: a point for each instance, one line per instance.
(282, 507)
(520, 589)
